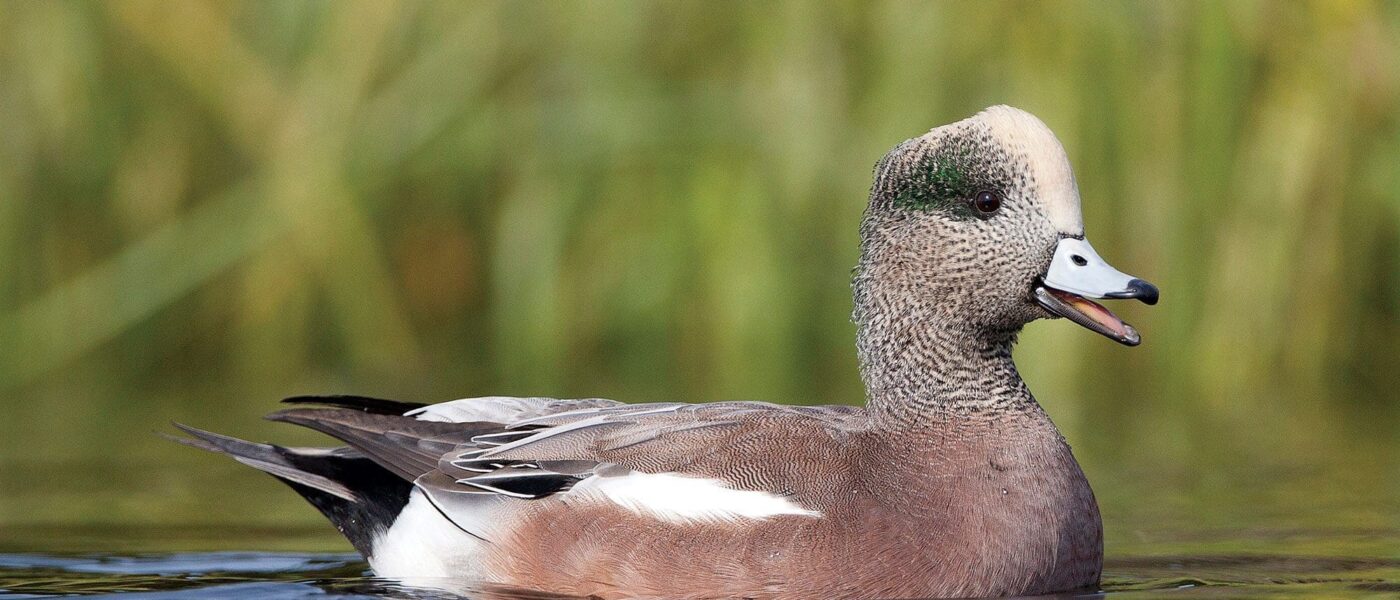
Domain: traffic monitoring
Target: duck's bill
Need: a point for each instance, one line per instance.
(1076, 274)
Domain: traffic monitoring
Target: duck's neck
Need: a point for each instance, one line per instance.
(921, 364)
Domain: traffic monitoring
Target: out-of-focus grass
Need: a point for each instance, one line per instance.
(207, 206)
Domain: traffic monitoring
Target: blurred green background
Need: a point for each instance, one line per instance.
(205, 207)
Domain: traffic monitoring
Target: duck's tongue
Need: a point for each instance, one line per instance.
(1087, 313)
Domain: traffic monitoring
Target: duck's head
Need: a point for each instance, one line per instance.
(978, 224)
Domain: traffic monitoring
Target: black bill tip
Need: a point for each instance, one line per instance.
(1139, 289)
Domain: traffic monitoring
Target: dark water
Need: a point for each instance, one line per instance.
(318, 575)
(179, 527)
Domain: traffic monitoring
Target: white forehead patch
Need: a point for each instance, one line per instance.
(1023, 134)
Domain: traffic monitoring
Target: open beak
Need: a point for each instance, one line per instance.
(1077, 274)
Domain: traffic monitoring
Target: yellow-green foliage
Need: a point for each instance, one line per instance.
(205, 206)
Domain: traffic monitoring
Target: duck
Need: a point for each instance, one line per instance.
(949, 481)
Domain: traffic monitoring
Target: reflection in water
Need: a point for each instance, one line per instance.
(214, 575)
(1246, 575)
(294, 575)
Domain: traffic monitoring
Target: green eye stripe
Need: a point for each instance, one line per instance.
(938, 182)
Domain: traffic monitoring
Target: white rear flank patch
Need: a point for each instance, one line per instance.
(682, 499)
(422, 546)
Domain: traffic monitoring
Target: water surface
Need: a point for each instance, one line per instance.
(191, 526)
(318, 575)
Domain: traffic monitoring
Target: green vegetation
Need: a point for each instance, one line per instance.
(205, 207)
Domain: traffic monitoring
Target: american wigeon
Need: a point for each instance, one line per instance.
(951, 481)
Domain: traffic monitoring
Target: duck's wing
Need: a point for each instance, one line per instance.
(495, 456)
(653, 437)
(676, 461)
(409, 439)
(471, 438)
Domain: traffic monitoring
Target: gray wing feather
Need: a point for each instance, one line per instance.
(533, 447)
(682, 431)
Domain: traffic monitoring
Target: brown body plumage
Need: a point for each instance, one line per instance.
(950, 482)
(972, 507)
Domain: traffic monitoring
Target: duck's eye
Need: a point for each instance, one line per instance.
(986, 202)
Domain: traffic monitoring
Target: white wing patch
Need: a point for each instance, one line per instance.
(682, 499)
(501, 409)
(488, 408)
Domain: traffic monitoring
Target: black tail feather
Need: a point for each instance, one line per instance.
(360, 497)
(377, 406)
(405, 446)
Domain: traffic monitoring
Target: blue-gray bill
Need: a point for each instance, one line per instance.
(1076, 274)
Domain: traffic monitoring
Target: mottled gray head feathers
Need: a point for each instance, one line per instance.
(962, 221)
(964, 218)
(1001, 149)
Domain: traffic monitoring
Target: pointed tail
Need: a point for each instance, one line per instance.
(360, 497)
